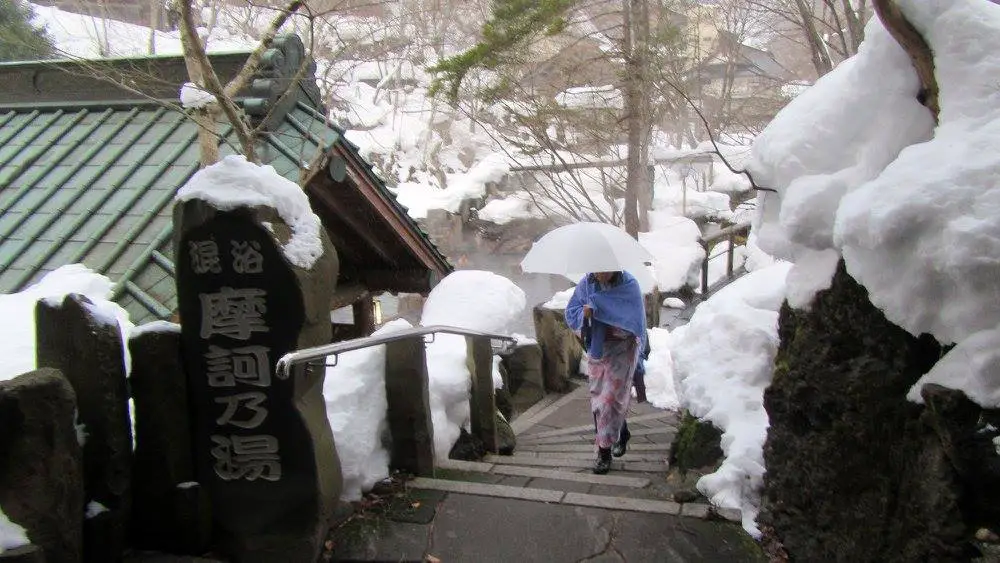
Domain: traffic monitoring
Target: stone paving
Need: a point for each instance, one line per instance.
(544, 504)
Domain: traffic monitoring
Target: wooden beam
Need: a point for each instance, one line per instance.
(351, 218)
(347, 295)
(392, 214)
(406, 281)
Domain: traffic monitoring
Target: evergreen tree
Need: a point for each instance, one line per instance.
(19, 39)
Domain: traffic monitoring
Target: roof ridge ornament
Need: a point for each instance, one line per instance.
(280, 65)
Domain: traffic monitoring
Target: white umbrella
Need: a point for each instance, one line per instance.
(578, 248)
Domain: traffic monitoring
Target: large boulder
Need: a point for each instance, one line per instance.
(87, 348)
(853, 473)
(41, 463)
(561, 349)
(524, 382)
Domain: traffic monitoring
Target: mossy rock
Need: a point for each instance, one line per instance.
(696, 446)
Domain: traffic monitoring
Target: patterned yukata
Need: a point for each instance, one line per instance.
(614, 337)
(610, 380)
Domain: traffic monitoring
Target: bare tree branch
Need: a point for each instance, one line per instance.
(253, 61)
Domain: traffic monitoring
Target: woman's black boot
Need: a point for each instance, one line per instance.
(603, 464)
(621, 445)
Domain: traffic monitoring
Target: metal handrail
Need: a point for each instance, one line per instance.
(305, 355)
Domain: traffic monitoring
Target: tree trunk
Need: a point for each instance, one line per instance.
(821, 61)
(634, 41)
(916, 47)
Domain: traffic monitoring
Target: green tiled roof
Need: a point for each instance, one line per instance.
(95, 184)
(89, 176)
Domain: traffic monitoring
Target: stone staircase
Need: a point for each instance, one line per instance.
(555, 452)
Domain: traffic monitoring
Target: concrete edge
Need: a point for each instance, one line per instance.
(486, 489)
(534, 472)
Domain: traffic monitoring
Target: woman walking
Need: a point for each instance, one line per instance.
(608, 313)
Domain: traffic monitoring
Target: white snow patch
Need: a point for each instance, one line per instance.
(356, 406)
(93, 509)
(195, 97)
(973, 367)
(560, 300)
(155, 326)
(233, 182)
(677, 254)
(188, 485)
(11, 535)
(17, 333)
(659, 376)
(812, 273)
(723, 361)
(674, 303)
(503, 211)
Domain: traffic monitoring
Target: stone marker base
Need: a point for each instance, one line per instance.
(24, 554)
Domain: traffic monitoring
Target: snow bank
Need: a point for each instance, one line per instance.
(356, 406)
(233, 182)
(505, 210)
(17, 333)
(862, 171)
(11, 535)
(723, 361)
(470, 299)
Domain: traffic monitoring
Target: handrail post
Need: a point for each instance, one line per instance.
(409, 406)
(482, 400)
(704, 269)
(729, 256)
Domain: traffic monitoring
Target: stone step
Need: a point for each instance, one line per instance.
(558, 462)
(551, 496)
(667, 418)
(589, 448)
(536, 473)
(522, 423)
(588, 436)
(591, 455)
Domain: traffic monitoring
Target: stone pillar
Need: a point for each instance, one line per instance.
(409, 412)
(41, 469)
(170, 508)
(88, 350)
(263, 445)
(482, 402)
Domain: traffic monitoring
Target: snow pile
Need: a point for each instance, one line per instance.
(591, 98)
(723, 361)
(505, 210)
(356, 406)
(11, 535)
(419, 197)
(195, 97)
(233, 182)
(17, 334)
(677, 254)
(861, 169)
(659, 376)
(474, 300)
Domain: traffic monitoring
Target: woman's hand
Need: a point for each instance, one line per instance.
(588, 311)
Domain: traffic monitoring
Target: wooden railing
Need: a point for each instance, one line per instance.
(407, 387)
(729, 233)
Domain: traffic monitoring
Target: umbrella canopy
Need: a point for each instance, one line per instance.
(578, 248)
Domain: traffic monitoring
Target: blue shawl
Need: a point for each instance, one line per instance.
(620, 305)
